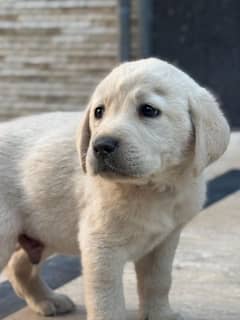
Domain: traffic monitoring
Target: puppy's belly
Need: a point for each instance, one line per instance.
(57, 231)
(71, 248)
(57, 243)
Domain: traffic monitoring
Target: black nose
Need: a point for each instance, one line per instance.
(103, 146)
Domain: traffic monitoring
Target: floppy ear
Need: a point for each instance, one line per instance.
(83, 138)
(212, 131)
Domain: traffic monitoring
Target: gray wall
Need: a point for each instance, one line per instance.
(54, 52)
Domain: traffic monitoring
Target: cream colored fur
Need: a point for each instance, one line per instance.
(135, 213)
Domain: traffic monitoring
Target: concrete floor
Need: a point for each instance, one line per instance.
(206, 275)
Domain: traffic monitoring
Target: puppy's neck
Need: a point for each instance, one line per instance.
(173, 179)
(161, 188)
(169, 181)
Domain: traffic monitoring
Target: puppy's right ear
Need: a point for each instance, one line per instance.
(83, 139)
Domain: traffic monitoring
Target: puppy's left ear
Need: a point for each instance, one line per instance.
(83, 139)
(212, 132)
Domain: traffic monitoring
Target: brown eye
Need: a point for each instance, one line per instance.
(99, 111)
(145, 110)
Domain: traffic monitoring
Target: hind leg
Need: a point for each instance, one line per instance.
(9, 228)
(7, 247)
(25, 279)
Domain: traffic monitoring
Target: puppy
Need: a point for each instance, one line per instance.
(122, 192)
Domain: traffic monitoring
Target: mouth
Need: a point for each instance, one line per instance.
(107, 169)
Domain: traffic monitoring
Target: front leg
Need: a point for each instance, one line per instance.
(102, 273)
(154, 281)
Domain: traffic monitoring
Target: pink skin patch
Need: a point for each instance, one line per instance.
(34, 248)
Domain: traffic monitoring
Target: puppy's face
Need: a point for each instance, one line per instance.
(139, 121)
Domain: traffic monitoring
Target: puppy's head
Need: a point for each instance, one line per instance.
(147, 117)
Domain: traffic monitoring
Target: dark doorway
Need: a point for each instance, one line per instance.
(202, 38)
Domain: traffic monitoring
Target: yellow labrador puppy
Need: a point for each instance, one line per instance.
(147, 135)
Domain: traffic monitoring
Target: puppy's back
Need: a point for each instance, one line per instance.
(20, 137)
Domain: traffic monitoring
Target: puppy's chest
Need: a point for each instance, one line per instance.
(148, 226)
(135, 222)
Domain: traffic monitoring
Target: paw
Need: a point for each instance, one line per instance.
(53, 305)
